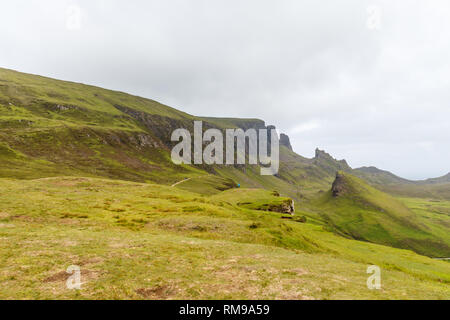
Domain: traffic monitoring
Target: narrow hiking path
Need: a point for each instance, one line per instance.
(177, 183)
(187, 179)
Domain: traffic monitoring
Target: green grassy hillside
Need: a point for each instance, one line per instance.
(436, 188)
(440, 180)
(355, 209)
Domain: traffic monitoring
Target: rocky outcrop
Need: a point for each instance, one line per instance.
(61, 107)
(284, 141)
(339, 186)
(144, 140)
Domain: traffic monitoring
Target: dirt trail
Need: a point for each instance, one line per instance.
(177, 183)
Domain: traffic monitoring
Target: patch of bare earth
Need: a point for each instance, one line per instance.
(162, 292)
(259, 281)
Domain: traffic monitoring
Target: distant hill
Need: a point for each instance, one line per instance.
(50, 127)
(382, 177)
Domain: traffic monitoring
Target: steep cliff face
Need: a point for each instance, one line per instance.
(284, 141)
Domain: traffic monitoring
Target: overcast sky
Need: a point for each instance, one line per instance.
(368, 81)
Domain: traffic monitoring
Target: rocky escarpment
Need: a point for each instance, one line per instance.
(162, 126)
(284, 141)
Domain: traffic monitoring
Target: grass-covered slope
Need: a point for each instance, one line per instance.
(148, 241)
(207, 184)
(436, 188)
(257, 199)
(355, 209)
(83, 104)
(380, 177)
(50, 127)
